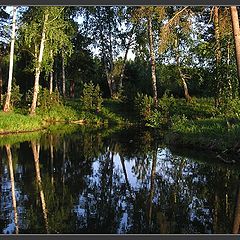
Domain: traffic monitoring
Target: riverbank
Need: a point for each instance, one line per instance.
(193, 125)
(201, 126)
(19, 121)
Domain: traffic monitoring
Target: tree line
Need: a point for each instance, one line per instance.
(187, 50)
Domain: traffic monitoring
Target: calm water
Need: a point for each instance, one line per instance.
(114, 182)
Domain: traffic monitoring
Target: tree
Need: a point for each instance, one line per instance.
(153, 64)
(111, 34)
(175, 34)
(38, 64)
(146, 15)
(236, 33)
(10, 76)
(4, 37)
(48, 43)
(218, 53)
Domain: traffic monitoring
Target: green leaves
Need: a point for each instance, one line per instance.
(59, 32)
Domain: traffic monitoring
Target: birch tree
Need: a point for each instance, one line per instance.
(39, 64)
(146, 16)
(47, 43)
(10, 74)
(174, 33)
(104, 25)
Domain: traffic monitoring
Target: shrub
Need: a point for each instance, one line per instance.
(16, 96)
(230, 108)
(46, 100)
(92, 97)
(144, 106)
(155, 117)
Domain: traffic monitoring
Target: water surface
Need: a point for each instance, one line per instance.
(114, 181)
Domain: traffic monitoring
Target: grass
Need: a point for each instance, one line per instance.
(13, 122)
(200, 125)
(111, 113)
(197, 124)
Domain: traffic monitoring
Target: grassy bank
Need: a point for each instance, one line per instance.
(112, 113)
(201, 125)
(197, 124)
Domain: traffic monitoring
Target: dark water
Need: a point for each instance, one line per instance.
(114, 182)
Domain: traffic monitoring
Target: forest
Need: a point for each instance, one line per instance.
(119, 119)
(175, 69)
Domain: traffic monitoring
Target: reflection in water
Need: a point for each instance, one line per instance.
(14, 202)
(116, 182)
(153, 173)
(36, 150)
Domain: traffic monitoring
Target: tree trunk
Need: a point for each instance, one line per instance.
(218, 55)
(10, 74)
(51, 76)
(125, 58)
(236, 34)
(38, 67)
(153, 64)
(14, 201)
(36, 150)
(184, 83)
(236, 222)
(72, 90)
(63, 77)
(228, 75)
(56, 76)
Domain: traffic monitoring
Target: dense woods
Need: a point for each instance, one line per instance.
(79, 63)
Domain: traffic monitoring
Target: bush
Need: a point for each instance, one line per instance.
(46, 101)
(230, 108)
(16, 96)
(92, 97)
(144, 106)
(155, 117)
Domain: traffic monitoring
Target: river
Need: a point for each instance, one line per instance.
(114, 181)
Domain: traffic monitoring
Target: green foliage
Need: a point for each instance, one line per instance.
(47, 101)
(144, 106)
(155, 117)
(12, 122)
(91, 97)
(59, 113)
(230, 108)
(16, 97)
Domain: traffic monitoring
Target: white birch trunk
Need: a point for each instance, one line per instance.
(10, 73)
(63, 77)
(38, 68)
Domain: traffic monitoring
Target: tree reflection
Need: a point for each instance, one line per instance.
(36, 150)
(120, 182)
(11, 172)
